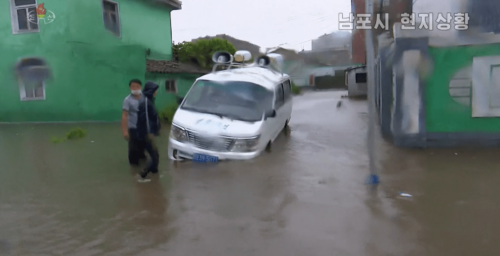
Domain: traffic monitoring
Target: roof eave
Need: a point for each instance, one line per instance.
(174, 4)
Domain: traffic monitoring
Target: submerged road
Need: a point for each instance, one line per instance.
(306, 198)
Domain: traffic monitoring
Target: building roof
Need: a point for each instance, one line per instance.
(174, 4)
(253, 74)
(172, 67)
(286, 53)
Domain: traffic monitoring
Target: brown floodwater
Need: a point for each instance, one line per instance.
(307, 197)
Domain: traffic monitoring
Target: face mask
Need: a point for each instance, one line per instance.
(136, 92)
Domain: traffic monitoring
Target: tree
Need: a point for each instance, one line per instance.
(200, 52)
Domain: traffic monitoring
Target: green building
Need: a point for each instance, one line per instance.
(437, 91)
(93, 49)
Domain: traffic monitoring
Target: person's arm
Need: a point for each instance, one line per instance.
(125, 110)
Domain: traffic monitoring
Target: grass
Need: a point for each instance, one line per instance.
(295, 89)
(75, 133)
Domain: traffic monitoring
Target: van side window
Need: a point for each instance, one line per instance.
(287, 89)
(280, 99)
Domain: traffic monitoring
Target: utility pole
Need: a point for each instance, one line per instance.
(370, 65)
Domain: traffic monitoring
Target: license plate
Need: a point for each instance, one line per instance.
(201, 158)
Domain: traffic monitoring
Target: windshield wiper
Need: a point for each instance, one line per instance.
(202, 111)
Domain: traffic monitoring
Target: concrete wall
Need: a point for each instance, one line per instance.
(91, 67)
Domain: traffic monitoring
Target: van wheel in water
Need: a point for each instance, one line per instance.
(286, 129)
(269, 146)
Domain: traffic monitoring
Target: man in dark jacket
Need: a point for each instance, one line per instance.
(148, 126)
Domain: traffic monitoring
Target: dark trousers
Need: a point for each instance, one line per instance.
(136, 147)
(152, 150)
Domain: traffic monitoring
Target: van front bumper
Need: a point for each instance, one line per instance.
(179, 150)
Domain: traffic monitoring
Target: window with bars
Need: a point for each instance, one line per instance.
(171, 86)
(111, 17)
(31, 75)
(23, 16)
(32, 91)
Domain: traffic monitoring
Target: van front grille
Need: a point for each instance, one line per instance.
(206, 142)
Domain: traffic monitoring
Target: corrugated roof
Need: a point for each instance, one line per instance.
(172, 67)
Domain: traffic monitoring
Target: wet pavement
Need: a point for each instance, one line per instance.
(306, 198)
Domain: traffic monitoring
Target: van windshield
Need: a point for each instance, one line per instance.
(232, 99)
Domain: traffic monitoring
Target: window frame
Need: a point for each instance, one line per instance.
(22, 92)
(14, 19)
(171, 81)
(106, 14)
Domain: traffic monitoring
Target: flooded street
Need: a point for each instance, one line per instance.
(307, 197)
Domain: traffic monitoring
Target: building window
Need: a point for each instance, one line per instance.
(485, 95)
(31, 76)
(23, 16)
(33, 91)
(171, 86)
(361, 78)
(111, 17)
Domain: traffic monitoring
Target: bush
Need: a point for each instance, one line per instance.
(76, 133)
(201, 51)
(295, 89)
(168, 112)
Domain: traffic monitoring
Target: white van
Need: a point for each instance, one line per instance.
(235, 113)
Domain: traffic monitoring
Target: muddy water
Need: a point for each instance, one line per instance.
(307, 197)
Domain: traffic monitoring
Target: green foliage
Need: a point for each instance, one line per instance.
(295, 89)
(57, 140)
(201, 51)
(168, 112)
(76, 133)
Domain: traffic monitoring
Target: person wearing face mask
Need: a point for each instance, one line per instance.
(130, 111)
(148, 126)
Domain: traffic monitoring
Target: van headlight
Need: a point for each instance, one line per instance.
(177, 133)
(245, 145)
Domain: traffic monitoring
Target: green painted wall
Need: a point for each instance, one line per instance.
(91, 67)
(164, 98)
(443, 114)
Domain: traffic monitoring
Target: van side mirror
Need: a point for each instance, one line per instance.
(271, 113)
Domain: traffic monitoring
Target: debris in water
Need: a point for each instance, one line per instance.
(143, 180)
(339, 104)
(92, 141)
(406, 195)
(456, 153)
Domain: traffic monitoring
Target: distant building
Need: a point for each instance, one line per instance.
(393, 7)
(237, 43)
(330, 57)
(340, 39)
